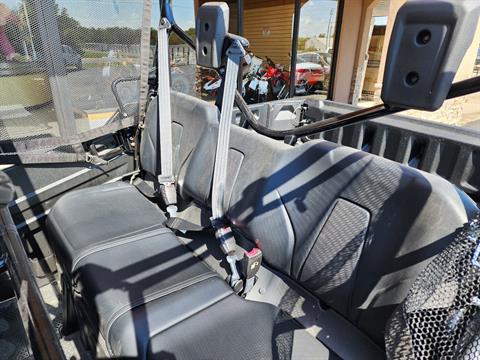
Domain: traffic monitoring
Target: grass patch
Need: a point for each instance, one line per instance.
(92, 54)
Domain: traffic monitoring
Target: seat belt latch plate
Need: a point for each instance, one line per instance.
(251, 263)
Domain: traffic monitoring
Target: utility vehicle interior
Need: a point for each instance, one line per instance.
(238, 241)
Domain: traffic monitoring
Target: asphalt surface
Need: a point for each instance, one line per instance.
(90, 88)
(89, 91)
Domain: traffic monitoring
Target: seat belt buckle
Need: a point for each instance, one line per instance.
(224, 236)
(250, 264)
(168, 193)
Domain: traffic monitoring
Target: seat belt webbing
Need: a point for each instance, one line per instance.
(166, 178)
(223, 232)
(145, 55)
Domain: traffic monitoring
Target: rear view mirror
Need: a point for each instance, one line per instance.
(428, 43)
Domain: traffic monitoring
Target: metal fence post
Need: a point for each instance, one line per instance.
(57, 73)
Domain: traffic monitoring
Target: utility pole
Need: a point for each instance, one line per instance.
(27, 20)
(328, 29)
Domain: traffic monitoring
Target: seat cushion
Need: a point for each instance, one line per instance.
(118, 276)
(143, 291)
(202, 321)
(86, 217)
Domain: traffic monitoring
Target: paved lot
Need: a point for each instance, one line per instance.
(90, 88)
(89, 91)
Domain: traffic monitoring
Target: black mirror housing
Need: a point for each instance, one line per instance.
(428, 43)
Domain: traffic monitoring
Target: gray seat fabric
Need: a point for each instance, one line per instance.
(141, 292)
(137, 287)
(186, 111)
(83, 218)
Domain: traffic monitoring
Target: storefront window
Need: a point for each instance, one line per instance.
(315, 47)
(461, 112)
(268, 25)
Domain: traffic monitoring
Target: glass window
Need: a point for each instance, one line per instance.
(182, 57)
(315, 47)
(462, 112)
(268, 25)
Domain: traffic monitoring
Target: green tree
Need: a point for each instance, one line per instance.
(70, 30)
(301, 42)
(175, 40)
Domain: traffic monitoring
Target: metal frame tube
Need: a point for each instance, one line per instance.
(293, 52)
(336, 43)
(240, 9)
(57, 73)
(27, 290)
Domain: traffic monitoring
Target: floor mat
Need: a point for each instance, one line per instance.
(13, 340)
(71, 345)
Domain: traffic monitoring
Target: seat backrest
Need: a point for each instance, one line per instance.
(187, 112)
(353, 228)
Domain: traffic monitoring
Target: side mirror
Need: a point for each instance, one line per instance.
(211, 30)
(428, 42)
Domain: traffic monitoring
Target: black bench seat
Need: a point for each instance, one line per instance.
(144, 292)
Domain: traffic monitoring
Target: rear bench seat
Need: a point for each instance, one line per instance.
(352, 228)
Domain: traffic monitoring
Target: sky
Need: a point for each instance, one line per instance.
(314, 20)
(315, 17)
(184, 14)
(99, 13)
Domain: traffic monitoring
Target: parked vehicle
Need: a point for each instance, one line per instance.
(211, 85)
(71, 57)
(267, 81)
(272, 82)
(321, 58)
(314, 69)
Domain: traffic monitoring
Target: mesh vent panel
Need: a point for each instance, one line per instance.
(332, 262)
(440, 318)
(58, 60)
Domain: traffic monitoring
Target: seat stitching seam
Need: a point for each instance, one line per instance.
(131, 233)
(151, 297)
(190, 316)
(120, 241)
(156, 295)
